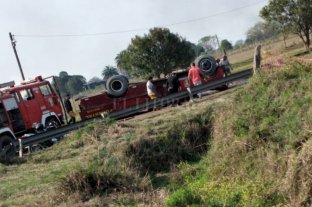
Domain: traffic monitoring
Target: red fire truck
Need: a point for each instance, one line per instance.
(121, 95)
(23, 106)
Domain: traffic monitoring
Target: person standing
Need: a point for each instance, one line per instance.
(173, 85)
(69, 109)
(195, 76)
(225, 64)
(151, 89)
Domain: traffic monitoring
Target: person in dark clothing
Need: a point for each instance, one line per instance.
(69, 110)
(173, 85)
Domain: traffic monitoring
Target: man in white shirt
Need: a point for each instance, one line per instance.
(151, 89)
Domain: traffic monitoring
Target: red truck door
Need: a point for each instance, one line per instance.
(49, 100)
(29, 106)
(14, 117)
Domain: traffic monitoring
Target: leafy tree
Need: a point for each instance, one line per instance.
(226, 45)
(262, 31)
(293, 14)
(95, 80)
(198, 49)
(63, 74)
(109, 71)
(209, 43)
(239, 44)
(123, 59)
(156, 53)
(71, 84)
(75, 84)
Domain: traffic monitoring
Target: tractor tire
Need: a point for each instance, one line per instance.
(207, 64)
(7, 148)
(117, 85)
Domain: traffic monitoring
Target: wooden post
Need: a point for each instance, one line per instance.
(257, 59)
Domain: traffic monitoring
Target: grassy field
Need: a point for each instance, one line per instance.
(248, 146)
(242, 59)
(38, 179)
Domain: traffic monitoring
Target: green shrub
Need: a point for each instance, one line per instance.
(103, 178)
(184, 198)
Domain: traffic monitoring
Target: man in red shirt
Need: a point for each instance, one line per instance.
(195, 76)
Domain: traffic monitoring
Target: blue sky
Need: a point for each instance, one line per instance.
(87, 55)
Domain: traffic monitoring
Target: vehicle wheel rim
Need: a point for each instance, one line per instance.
(116, 85)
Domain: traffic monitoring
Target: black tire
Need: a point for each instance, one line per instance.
(36, 147)
(207, 64)
(52, 123)
(7, 148)
(117, 85)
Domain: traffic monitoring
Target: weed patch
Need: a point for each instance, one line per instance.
(185, 140)
(102, 177)
(184, 198)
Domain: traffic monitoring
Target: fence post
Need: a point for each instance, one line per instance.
(20, 143)
(257, 59)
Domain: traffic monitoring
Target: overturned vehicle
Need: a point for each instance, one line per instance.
(120, 94)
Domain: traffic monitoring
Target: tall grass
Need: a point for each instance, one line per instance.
(259, 154)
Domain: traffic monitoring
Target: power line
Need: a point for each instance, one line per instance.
(139, 29)
(216, 14)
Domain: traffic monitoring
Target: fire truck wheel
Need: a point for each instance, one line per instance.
(7, 148)
(52, 123)
(36, 148)
(117, 85)
(207, 64)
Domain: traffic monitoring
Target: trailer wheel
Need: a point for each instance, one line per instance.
(117, 85)
(7, 148)
(207, 64)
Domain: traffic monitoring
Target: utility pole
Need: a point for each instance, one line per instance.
(218, 42)
(13, 42)
(224, 52)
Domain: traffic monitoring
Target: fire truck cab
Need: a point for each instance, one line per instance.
(23, 106)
